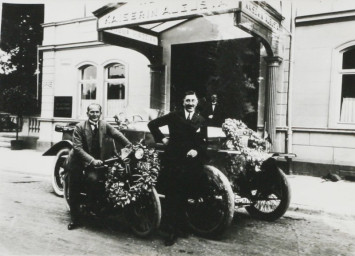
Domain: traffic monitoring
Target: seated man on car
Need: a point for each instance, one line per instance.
(89, 150)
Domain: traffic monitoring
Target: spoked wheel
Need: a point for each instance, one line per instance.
(212, 212)
(271, 203)
(57, 180)
(144, 215)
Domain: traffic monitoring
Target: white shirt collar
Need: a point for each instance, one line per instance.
(93, 123)
(187, 113)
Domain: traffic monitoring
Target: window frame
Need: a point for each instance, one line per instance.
(336, 86)
(106, 80)
(80, 69)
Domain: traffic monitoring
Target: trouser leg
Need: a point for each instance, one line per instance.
(183, 182)
(74, 183)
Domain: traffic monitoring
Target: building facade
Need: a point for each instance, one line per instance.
(139, 59)
(323, 89)
(288, 65)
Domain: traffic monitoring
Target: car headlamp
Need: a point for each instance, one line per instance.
(139, 153)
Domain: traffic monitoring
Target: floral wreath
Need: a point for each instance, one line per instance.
(251, 146)
(144, 172)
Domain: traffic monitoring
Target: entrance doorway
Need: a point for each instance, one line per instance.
(227, 68)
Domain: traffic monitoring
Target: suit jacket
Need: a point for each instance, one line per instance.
(80, 155)
(184, 135)
(218, 114)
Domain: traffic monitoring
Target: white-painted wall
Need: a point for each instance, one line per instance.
(65, 49)
(315, 138)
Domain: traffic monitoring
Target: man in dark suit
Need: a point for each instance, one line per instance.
(184, 157)
(213, 112)
(92, 143)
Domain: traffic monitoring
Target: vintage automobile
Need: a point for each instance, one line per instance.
(241, 173)
(6, 123)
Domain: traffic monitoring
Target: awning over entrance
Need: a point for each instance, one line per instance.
(139, 24)
(145, 20)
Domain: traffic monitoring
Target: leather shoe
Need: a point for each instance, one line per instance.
(182, 233)
(72, 225)
(170, 239)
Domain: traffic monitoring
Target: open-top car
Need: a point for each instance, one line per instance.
(241, 173)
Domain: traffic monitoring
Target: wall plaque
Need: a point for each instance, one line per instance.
(63, 106)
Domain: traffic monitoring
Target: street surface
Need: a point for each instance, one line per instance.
(33, 221)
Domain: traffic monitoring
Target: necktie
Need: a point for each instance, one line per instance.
(95, 129)
(189, 116)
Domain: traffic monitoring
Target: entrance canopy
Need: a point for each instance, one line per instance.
(144, 21)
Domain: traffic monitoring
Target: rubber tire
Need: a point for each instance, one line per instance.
(154, 197)
(214, 174)
(283, 206)
(58, 188)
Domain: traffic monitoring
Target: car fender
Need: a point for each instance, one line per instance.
(58, 146)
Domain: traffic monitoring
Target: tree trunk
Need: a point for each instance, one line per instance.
(17, 124)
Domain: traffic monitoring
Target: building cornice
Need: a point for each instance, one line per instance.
(68, 46)
(311, 130)
(322, 130)
(324, 18)
(66, 22)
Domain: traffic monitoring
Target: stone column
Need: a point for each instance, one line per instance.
(157, 86)
(273, 64)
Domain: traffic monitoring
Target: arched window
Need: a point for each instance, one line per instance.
(347, 98)
(115, 82)
(88, 88)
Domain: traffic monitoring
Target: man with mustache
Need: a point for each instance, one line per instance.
(92, 142)
(183, 161)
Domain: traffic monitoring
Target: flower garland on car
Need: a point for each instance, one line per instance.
(144, 172)
(251, 147)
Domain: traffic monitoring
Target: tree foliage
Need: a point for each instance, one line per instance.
(21, 30)
(6, 65)
(17, 100)
(228, 68)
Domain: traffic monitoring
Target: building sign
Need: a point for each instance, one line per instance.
(62, 106)
(260, 15)
(133, 34)
(162, 10)
(254, 19)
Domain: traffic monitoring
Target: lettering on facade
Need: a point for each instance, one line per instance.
(63, 106)
(48, 84)
(247, 23)
(133, 34)
(151, 11)
(259, 14)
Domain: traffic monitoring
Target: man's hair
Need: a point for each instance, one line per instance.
(190, 93)
(94, 104)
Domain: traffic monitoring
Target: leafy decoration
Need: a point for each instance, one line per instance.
(120, 190)
(250, 147)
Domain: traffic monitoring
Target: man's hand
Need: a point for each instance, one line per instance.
(165, 141)
(192, 153)
(210, 116)
(97, 162)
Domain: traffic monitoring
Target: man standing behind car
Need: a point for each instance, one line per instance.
(90, 147)
(214, 112)
(184, 157)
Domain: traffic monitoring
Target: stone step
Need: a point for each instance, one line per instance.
(7, 138)
(5, 144)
